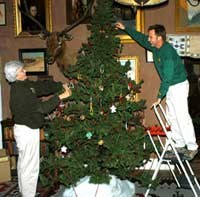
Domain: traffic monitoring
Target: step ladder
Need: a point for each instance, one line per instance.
(182, 166)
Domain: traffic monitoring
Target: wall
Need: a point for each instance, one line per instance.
(9, 45)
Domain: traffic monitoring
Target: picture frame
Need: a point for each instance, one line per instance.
(133, 74)
(75, 10)
(43, 7)
(34, 60)
(149, 56)
(2, 13)
(128, 16)
(187, 17)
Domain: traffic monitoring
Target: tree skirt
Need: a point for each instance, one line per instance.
(116, 188)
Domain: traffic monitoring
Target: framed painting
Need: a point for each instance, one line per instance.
(2, 13)
(130, 17)
(75, 10)
(34, 61)
(187, 16)
(40, 10)
(133, 73)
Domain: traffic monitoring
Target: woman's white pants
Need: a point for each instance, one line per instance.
(28, 143)
(179, 117)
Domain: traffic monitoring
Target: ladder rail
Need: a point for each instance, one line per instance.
(171, 143)
(159, 156)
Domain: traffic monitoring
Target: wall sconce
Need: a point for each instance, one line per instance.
(141, 2)
(194, 2)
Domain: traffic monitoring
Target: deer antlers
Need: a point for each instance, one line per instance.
(89, 7)
(57, 49)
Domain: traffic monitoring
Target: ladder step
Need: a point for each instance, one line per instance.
(184, 182)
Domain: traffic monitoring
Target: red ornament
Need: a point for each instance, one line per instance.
(130, 85)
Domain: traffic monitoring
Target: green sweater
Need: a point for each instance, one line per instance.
(26, 108)
(167, 62)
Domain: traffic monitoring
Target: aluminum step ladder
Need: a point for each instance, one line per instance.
(182, 166)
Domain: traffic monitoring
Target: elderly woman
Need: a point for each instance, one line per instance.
(28, 113)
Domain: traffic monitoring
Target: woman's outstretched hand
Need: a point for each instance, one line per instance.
(66, 93)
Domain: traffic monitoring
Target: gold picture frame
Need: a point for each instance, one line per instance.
(44, 7)
(34, 60)
(2, 13)
(133, 73)
(128, 16)
(187, 17)
(75, 10)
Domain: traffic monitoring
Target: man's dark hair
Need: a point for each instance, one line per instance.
(159, 30)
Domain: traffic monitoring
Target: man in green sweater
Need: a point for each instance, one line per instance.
(174, 85)
(28, 112)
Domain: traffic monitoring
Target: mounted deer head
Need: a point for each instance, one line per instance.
(57, 49)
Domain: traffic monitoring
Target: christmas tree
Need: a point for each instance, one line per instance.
(99, 130)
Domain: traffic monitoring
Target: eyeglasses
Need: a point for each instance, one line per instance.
(70, 85)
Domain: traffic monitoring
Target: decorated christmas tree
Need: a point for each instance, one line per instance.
(98, 131)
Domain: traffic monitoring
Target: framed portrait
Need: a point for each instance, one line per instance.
(34, 61)
(75, 10)
(130, 17)
(40, 10)
(187, 16)
(133, 73)
(2, 13)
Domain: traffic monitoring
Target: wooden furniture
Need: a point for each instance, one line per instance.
(10, 145)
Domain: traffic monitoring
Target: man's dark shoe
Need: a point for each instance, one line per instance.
(171, 155)
(190, 154)
(181, 150)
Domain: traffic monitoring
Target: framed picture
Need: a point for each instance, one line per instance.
(149, 56)
(130, 17)
(34, 60)
(187, 16)
(40, 10)
(133, 73)
(75, 10)
(2, 13)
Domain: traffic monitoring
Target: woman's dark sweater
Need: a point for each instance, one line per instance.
(26, 108)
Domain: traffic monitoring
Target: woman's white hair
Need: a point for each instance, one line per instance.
(11, 68)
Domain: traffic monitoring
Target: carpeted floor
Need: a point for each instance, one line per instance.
(7, 188)
(164, 190)
(167, 190)
(10, 189)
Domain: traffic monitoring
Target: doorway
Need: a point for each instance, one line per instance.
(193, 69)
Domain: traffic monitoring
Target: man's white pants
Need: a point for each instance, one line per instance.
(28, 143)
(179, 117)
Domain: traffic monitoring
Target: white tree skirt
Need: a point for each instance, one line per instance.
(116, 188)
